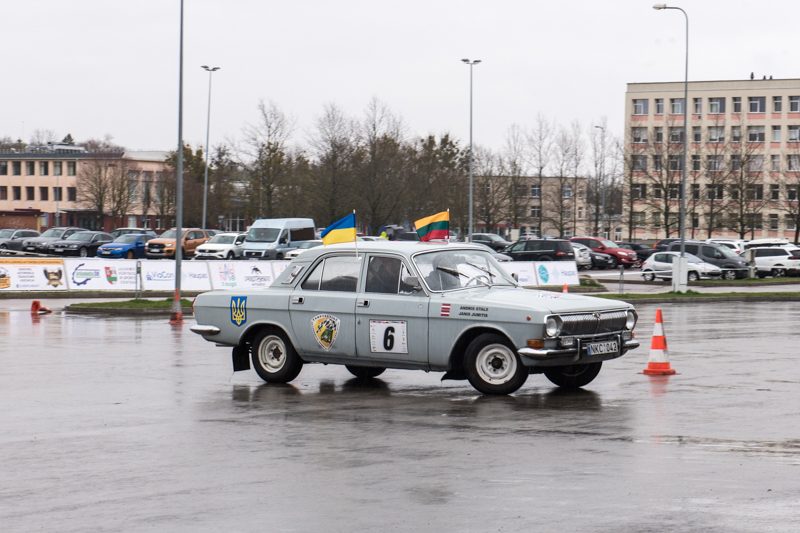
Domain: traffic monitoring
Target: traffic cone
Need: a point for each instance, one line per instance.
(38, 309)
(658, 361)
(565, 287)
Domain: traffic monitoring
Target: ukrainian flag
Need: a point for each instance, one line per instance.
(343, 230)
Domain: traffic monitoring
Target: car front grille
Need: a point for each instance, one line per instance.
(593, 323)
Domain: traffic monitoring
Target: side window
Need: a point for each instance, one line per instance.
(97, 238)
(311, 283)
(532, 246)
(518, 247)
(340, 274)
(709, 251)
(383, 275)
(693, 249)
(283, 237)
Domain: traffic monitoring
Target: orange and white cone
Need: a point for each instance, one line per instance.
(658, 362)
(38, 309)
(565, 287)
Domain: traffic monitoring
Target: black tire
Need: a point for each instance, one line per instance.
(279, 257)
(365, 372)
(3, 247)
(778, 272)
(614, 262)
(83, 252)
(729, 274)
(761, 275)
(493, 366)
(274, 358)
(692, 276)
(573, 376)
(648, 276)
(230, 256)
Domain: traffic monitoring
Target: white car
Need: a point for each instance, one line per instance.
(222, 246)
(301, 246)
(737, 245)
(583, 257)
(659, 265)
(774, 261)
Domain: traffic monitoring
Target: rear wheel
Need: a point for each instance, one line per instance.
(573, 376)
(365, 372)
(778, 272)
(492, 366)
(613, 262)
(729, 274)
(274, 358)
(648, 276)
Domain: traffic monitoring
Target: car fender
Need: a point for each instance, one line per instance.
(454, 362)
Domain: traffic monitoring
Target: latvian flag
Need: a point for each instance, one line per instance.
(445, 311)
(434, 227)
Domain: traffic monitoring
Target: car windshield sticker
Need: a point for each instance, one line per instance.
(325, 328)
(388, 336)
(238, 310)
(445, 311)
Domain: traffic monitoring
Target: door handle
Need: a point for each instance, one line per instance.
(297, 299)
(362, 303)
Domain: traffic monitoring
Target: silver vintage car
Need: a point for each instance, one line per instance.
(435, 307)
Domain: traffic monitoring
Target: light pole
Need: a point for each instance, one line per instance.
(176, 315)
(602, 176)
(469, 160)
(210, 70)
(679, 281)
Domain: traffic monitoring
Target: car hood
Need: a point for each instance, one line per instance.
(41, 239)
(161, 241)
(212, 246)
(116, 245)
(530, 300)
(67, 243)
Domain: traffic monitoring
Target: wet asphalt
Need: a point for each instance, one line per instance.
(124, 424)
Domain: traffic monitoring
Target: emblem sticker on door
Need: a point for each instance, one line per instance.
(238, 310)
(325, 328)
(388, 336)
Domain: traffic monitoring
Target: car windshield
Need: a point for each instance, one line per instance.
(53, 233)
(6, 233)
(81, 236)
(128, 238)
(608, 244)
(693, 258)
(222, 239)
(496, 238)
(448, 270)
(727, 252)
(169, 234)
(263, 234)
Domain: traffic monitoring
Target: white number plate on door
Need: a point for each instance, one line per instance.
(388, 336)
(600, 348)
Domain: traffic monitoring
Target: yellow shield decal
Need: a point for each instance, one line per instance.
(325, 328)
(238, 310)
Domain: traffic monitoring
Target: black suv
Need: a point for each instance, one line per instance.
(493, 241)
(541, 250)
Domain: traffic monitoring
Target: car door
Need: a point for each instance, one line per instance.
(391, 317)
(662, 264)
(322, 307)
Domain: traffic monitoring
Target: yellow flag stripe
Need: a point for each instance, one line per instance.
(340, 235)
(444, 216)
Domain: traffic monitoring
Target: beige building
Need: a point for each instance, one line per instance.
(40, 187)
(743, 170)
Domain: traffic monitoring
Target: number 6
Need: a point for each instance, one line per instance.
(388, 339)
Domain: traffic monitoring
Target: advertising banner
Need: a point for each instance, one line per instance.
(556, 273)
(32, 274)
(241, 274)
(524, 271)
(159, 275)
(101, 274)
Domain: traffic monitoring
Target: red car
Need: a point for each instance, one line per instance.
(626, 258)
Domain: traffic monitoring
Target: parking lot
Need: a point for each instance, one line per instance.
(130, 424)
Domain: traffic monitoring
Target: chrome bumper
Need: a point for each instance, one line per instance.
(204, 330)
(545, 353)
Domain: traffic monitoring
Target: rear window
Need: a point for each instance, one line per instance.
(563, 246)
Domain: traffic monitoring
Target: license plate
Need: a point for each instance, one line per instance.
(600, 348)
(58, 249)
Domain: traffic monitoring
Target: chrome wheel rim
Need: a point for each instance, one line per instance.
(496, 364)
(272, 354)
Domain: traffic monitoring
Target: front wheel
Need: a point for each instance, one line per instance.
(274, 358)
(230, 256)
(365, 372)
(613, 262)
(692, 276)
(778, 272)
(573, 376)
(648, 276)
(83, 252)
(492, 366)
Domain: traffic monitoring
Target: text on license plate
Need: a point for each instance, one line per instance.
(599, 348)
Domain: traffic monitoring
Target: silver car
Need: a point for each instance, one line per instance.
(435, 307)
(583, 257)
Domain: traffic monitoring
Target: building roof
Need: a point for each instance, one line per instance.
(158, 156)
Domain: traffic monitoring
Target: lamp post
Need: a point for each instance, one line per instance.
(469, 160)
(210, 70)
(679, 281)
(176, 315)
(602, 177)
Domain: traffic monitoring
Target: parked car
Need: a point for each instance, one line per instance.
(270, 238)
(737, 245)
(127, 246)
(732, 265)
(659, 265)
(443, 307)
(126, 231)
(583, 256)
(222, 246)
(491, 240)
(80, 243)
(626, 258)
(661, 245)
(164, 245)
(498, 256)
(642, 251)
(301, 246)
(602, 261)
(41, 243)
(12, 239)
(760, 243)
(541, 250)
(774, 261)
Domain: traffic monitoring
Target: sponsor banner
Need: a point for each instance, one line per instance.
(556, 273)
(159, 275)
(32, 274)
(232, 275)
(101, 274)
(524, 271)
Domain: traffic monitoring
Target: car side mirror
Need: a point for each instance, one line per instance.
(413, 284)
(282, 240)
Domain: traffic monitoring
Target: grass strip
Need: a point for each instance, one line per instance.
(693, 295)
(139, 303)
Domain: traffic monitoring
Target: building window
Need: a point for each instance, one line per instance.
(44, 168)
(659, 106)
(30, 168)
(638, 219)
(639, 191)
(789, 222)
(697, 134)
(776, 134)
(736, 134)
(757, 104)
(58, 195)
(775, 163)
(777, 104)
(536, 212)
(791, 192)
(714, 163)
(696, 162)
(774, 192)
(695, 220)
(43, 194)
(72, 194)
(674, 190)
(639, 162)
(70, 168)
(794, 134)
(16, 168)
(755, 163)
(656, 219)
(658, 191)
(658, 133)
(676, 134)
(793, 162)
(754, 192)
(716, 105)
(3, 192)
(56, 168)
(30, 194)
(16, 191)
(716, 134)
(754, 220)
(794, 104)
(714, 192)
(676, 106)
(675, 162)
(736, 162)
(695, 191)
(640, 106)
(657, 163)
(639, 135)
(755, 134)
(536, 191)
(698, 105)
(566, 191)
(3, 168)
(737, 104)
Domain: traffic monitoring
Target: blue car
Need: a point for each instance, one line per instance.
(130, 246)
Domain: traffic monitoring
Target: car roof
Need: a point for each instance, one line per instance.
(406, 248)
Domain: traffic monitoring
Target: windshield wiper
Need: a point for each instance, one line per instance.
(473, 265)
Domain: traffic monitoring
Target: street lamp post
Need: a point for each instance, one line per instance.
(210, 70)
(602, 180)
(469, 160)
(176, 315)
(679, 281)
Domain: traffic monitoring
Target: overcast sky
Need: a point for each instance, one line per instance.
(98, 67)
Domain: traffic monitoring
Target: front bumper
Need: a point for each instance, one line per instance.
(557, 355)
(111, 254)
(210, 255)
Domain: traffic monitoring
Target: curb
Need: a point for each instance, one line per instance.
(121, 311)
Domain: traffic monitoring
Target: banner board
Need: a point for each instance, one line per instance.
(32, 274)
(159, 275)
(89, 274)
(556, 273)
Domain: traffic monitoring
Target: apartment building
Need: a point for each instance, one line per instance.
(743, 172)
(40, 186)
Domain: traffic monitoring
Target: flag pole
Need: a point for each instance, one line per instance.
(448, 224)
(355, 226)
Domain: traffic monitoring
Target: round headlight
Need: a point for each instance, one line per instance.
(552, 326)
(630, 321)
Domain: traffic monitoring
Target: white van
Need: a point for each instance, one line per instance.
(270, 238)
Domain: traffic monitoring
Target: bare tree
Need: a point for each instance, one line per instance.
(557, 199)
(790, 182)
(745, 187)
(492, 190)
(513, 166)
(576, 161)
(43, 137)
(94, 183)
(122, 191)
(540, 142)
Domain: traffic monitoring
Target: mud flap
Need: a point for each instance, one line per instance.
(241, 357)
(455, 374)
